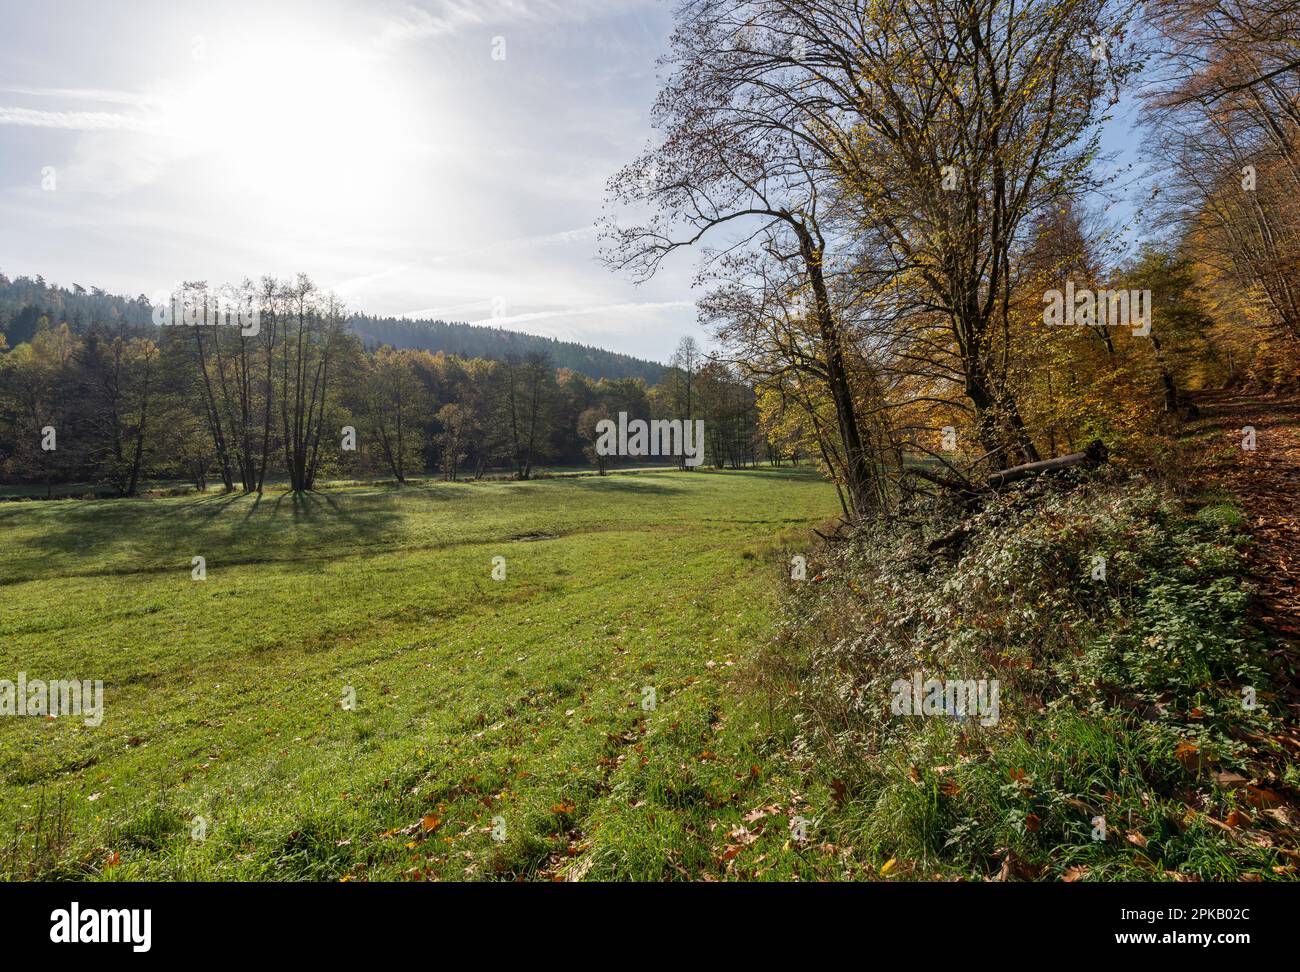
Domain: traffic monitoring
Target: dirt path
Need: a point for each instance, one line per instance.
(1266, 483)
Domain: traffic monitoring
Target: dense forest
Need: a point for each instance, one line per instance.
(93, 391)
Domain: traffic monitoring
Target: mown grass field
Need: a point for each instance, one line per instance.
(475, 698)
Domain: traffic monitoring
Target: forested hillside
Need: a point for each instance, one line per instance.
(25, 300)
(495, 343)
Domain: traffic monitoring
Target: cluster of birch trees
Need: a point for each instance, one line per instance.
(287, 394)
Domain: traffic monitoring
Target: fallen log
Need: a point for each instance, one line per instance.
(952, 542)
(1094, 455)
(953, 539)
(950, 483)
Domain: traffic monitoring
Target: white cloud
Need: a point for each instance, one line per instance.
(84, 121)
(442, 17)
(104, 95)
(623, 308)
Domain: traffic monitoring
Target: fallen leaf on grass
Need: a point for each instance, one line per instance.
(744, 836)
(1262, 798)
(1228, 780)
(1189, 754)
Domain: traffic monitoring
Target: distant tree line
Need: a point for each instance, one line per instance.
(479, 341)
(120, 401)
(25, 300)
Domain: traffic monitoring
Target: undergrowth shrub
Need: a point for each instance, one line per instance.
(1117, 626)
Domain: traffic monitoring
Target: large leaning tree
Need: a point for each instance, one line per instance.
(887, 162)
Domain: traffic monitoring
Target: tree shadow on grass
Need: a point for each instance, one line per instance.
(139, 536)
(615, 484)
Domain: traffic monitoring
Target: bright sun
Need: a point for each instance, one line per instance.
(296, 127)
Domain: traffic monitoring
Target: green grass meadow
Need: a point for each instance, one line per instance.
(498, 730)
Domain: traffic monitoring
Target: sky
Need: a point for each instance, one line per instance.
(442, 159)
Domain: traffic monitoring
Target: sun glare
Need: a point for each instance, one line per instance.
(292, 127)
